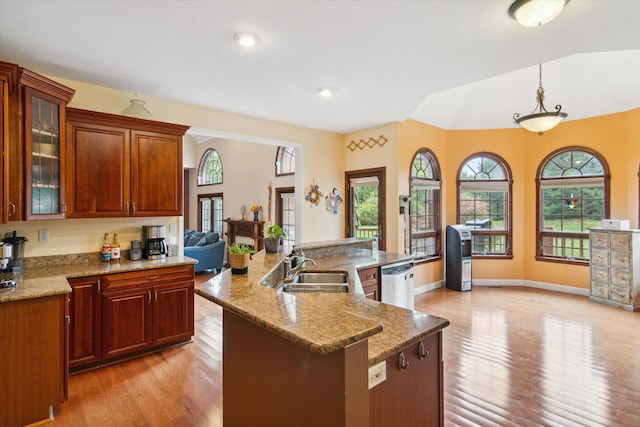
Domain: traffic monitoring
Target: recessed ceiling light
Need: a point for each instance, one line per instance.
(325, 92)
(246, 39)
(533, 13)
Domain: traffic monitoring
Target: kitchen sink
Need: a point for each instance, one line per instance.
(317, 282)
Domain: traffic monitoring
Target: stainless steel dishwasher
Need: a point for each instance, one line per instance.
(397, 284)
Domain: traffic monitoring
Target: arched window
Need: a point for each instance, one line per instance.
(573, 196)
(484, 204)
(285, 161)
(210, 169)
(425, 225)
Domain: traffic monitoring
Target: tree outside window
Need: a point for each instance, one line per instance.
(285, 161)
(572, 198)
(484, 204)
(424, 209)
(210, 168)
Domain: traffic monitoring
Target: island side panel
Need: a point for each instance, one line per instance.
(268, 380)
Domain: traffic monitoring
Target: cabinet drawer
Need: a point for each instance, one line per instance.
(599, 274)
(620, 277)
(368, 276)
(142, 278)
(600, 290)
(620, 241)
(619, 294)
(599, 256)
(620, 260)
(599, 239)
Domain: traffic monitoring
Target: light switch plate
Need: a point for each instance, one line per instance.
(377, 374)
(43, 235)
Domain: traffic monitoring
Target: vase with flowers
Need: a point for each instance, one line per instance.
(256, 212)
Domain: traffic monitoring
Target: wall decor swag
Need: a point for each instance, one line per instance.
(371, 143)
(333, 202)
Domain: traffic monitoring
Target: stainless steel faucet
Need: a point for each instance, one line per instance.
(290, 272)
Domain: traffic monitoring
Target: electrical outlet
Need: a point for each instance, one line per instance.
(43, 235)
(377, 374)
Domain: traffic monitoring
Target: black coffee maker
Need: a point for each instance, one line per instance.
(154, 246)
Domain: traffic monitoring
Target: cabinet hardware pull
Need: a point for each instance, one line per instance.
(133, 208)
(64, 208)
(155, 296)
(98, 283)
(402, 363)
(149, 293)
(68, 319)
(126, 208)
(12, 209)
(422, 352)
(150, 278)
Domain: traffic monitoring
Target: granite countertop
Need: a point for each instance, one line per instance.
(323, 322)
(52, 280)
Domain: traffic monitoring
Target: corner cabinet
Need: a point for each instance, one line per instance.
(615, 267)
(121, 166)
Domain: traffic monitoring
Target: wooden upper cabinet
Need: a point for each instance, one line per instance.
(4, 160)
(122, 166)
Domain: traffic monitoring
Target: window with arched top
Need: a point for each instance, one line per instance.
(573, 196)
(210, 168)
(285, 161)
(425, 226)
(484, 204)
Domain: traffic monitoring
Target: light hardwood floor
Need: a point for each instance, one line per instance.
(513, 357)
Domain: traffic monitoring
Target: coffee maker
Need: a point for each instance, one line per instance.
(154, 246)
(13, 252)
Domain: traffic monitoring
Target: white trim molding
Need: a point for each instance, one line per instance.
(509, 282)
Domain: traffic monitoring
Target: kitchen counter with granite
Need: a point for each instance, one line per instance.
(52, 280)
(322, 322)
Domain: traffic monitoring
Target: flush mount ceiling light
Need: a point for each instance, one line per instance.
(325, 92)
(542, 120)
(246, 39)
(137, 109)
(533, 13)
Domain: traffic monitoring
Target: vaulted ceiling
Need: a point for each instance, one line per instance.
(461, 64)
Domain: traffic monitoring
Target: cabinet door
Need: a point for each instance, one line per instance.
(369, 279)
(412, 396)
(156, 174)
(98, 163)
(85, 344)
(126, 322)
(44, 158)
(4, 138)
(172, 313)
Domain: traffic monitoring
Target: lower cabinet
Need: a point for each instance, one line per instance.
(369, 279)
(412, 394)
(122, 314)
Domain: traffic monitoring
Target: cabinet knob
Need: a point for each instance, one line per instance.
(402, 362)
(422, 352)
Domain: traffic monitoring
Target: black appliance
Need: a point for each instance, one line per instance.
(154, 246)
(458, 258)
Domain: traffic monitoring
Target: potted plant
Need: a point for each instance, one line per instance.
(272, 241)
(239, 257)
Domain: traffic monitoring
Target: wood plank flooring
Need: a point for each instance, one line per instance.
(513, 357)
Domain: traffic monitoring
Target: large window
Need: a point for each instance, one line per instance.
(424, 209)
(210, 169)
(573, 187)
(484, 204)
(210, 213)
(285, 161)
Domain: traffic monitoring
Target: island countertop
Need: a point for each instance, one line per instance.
(52, 280)
(323, 322)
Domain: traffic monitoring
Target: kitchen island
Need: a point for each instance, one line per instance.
(292, 359)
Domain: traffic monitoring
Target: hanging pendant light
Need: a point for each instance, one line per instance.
(540, 120)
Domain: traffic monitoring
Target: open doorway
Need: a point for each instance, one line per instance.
(365, 205)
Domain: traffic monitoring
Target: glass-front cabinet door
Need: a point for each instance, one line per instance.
(44, 156)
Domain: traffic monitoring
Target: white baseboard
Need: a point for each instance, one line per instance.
(509, 282)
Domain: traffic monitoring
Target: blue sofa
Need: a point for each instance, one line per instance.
(207, 248)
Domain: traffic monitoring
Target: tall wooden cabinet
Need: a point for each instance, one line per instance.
(121, 166)
(615, 267)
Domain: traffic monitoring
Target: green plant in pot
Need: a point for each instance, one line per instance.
(239, 257)
(272, 241)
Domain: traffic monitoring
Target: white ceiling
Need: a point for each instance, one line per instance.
(461, 64)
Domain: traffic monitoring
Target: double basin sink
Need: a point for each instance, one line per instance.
(316, 281)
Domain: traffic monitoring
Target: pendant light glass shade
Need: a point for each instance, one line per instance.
(540, 120)
(137, 109)
(533, 13)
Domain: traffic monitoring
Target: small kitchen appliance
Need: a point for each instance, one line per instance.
(5, 254)
(153, 236)
(135, 253)
(16, 264)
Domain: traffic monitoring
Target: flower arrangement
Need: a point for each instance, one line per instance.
(256, 208)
